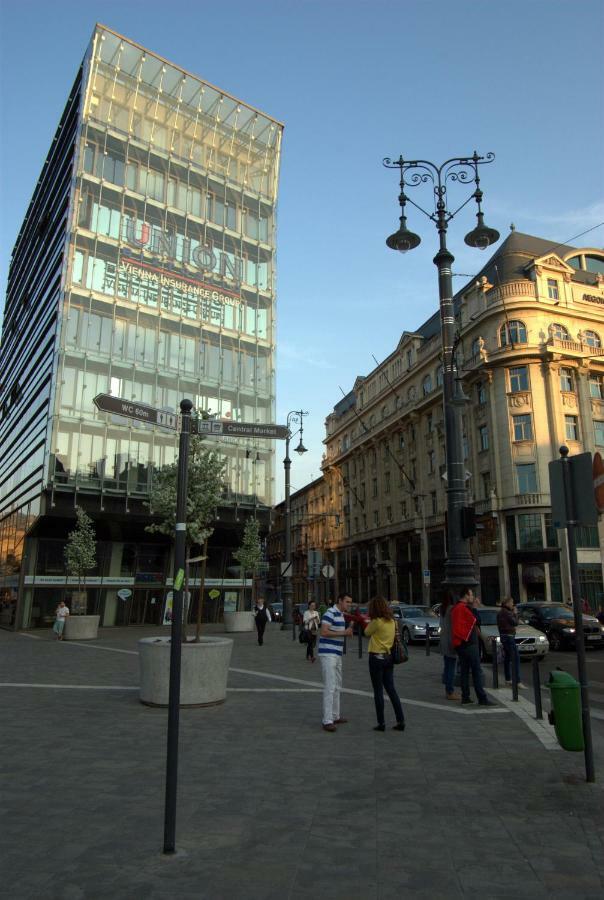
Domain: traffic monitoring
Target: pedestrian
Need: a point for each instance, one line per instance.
(585, 607)
(61, 613)
(331, 646)
(381, 631)
(507, 621)
(447, 649)
(312, 623)
(261, 617)
(464, 630)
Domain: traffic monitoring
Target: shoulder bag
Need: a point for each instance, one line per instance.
(399, 652)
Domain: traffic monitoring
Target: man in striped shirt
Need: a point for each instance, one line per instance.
(331, 646)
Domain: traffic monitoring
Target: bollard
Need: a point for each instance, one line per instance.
(537, 688)
(293, 628)
(360, 641)
(427, 640)
(494, 658)
(514, 680)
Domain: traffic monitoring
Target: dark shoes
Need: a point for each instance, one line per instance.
(340, 721)
(379, 728)
(329, 727)
(400, 726)
(467, 701)
(486, 703)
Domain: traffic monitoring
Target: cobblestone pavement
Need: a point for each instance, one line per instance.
(467, 802)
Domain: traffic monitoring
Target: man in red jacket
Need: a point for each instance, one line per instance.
(464, 629)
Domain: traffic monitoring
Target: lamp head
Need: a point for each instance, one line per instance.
(482, 236)
(403, 239)
(300, 448)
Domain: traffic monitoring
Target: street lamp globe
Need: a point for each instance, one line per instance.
(482, 236)
(301, 448)
(403, 239)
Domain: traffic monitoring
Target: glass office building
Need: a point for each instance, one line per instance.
(145, 268)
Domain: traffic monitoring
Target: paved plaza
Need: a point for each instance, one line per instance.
(467, 802)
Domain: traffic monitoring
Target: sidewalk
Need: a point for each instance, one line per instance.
(467, 802)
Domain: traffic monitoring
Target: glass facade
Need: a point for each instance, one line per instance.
(145, 269)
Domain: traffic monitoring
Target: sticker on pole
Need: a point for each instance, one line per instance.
(180, 577)
(598, 474)
(214, 594)
(124, 593)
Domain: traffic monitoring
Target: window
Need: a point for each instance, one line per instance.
(596, 386)
(429, 423)
(439, 376)
(592, 339)
(587, 536)
(475, 347)
(559, 331)
(527, 478)
(529, 532)
(433, 503)
(599, 433)
(483, 436)
(403, 509)
(567, 382)
(486, 485)
(376, 519)
(522, 427)
(519, 380)
(389, 513)
(387, 482)
(409, 358)
(571, 428)
(431, 461)
(513, 332)
(374, 488)
(552, 289)
(481, 392)
(427, 385)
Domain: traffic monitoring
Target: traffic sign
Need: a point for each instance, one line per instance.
(582, 478)
(119, 406)
(426, 576)
(598, 476)
(220, 428)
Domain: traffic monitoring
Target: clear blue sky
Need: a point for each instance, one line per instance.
(354, 82)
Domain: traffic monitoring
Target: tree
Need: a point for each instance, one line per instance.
(80, 550)
(249, 555)
(205, 484)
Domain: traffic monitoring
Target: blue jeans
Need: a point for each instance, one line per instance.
(469, 661)
(382, 679)
(449, 673)
(511, 656)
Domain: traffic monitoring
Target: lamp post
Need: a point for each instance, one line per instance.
(459, 567)
(295, 417)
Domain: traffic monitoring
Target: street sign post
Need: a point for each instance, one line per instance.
(220, 428)
(119, 406)
(582, 480)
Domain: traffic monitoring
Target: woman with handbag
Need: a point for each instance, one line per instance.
(311, 623)
(382, 632)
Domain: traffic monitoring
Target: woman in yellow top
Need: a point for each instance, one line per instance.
(381, 631)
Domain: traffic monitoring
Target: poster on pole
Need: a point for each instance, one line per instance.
(167, 617)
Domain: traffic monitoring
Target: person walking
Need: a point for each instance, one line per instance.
(312, 623)
(331, 646)
(381, 631)
(464, 630)
(507, 620)
(261, 617)
(61, 614)
(447, 649)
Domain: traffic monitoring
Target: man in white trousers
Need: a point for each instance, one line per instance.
(331, 647)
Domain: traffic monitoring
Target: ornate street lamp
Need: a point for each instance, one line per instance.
(295, 417)
(459, 567)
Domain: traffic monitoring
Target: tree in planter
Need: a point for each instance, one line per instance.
(249, 555)
(80, 550)
(205, 483)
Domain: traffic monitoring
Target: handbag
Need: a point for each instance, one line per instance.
(303, 636)
(399, 652)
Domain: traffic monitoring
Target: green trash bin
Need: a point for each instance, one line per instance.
(566, 710)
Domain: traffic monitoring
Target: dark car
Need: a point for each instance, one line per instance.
(276, 611)
(558, 624)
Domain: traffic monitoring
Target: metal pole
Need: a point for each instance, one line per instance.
(537, 689)
(459, 566)
(494, 660)
(514, 680)
(287, 580)
(590, 775)
(176, 634)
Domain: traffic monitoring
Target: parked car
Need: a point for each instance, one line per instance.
(276, 611)
(359, 616)
(414, 622)
(529, 640)
(557, 622)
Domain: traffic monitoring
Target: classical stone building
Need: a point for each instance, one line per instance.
(531, 362)
(144, 268)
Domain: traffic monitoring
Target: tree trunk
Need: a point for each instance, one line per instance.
(201, 590)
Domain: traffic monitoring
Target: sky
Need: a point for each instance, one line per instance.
(354, 81)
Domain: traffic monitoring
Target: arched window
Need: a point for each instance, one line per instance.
(559, 331)
(513, 332)
(427, 385)
(475, 346)
(439, 376)
(591, 339)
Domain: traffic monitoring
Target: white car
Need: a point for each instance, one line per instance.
(529, 641)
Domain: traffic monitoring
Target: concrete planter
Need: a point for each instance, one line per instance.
(204, 671)
(81, 628)
(239, 621)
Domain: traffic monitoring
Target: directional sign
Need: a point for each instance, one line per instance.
(119, 406)
(238, 429)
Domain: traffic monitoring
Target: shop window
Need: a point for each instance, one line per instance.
(587, 536)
